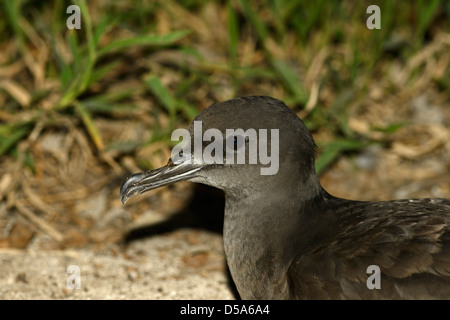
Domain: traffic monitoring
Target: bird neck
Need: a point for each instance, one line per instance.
(260, 231)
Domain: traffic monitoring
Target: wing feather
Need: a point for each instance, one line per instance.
(409, 240)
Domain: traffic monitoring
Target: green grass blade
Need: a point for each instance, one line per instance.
(254, 19)
(233, 34)
(10, 135)
(333, 149)
(105, 106)
(100, 29)
(100, 72)
(13, 14)
(162, 94)
(154, 40)
(88, 29)
(426, 11)
(291, 80)
(188, 110)
(89, 123)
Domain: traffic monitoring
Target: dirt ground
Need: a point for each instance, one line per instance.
(167, 243)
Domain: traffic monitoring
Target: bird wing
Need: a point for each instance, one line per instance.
(408, 240)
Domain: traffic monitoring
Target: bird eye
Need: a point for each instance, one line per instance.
(235, 142)
(179, 157)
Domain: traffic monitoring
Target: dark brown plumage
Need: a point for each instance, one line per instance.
(285, 237)
(408, 239)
